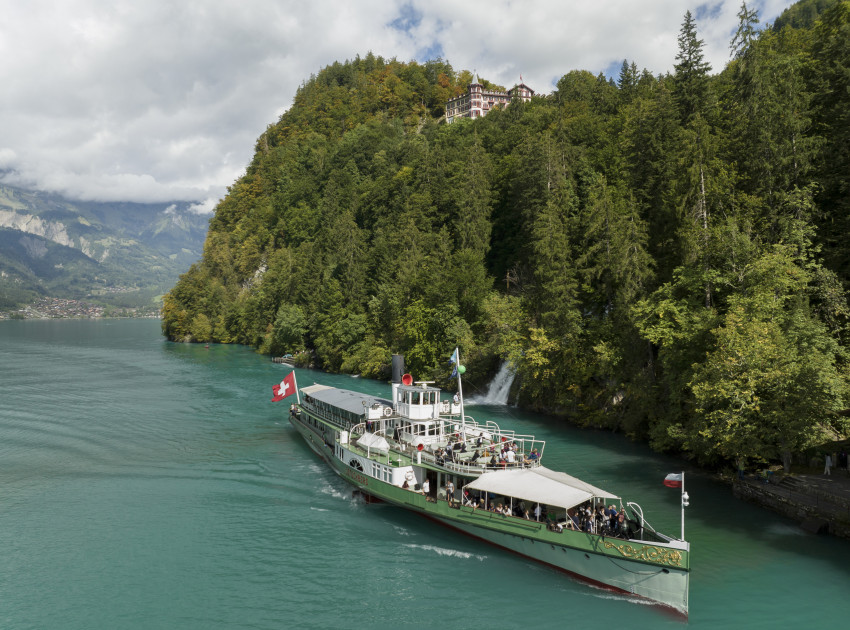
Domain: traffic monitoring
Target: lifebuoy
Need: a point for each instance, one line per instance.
(388, 411)
(409, 475)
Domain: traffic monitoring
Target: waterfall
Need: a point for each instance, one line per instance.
(500, 387)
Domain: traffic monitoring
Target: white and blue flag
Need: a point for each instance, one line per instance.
(453, 362)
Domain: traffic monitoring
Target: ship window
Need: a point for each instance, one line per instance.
(354, 463)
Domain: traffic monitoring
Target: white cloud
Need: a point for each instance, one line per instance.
(161, 101)
(204, 207)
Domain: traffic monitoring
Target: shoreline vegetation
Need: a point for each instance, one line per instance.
(660, 255)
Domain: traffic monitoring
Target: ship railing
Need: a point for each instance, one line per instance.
(641, 528)
(515, 521)
(494, 435)
(460, 465)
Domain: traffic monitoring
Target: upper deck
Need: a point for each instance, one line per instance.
(418, 426)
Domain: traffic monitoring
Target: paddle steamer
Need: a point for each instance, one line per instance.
(412, 451)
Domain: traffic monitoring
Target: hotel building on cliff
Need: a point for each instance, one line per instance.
(478, 102)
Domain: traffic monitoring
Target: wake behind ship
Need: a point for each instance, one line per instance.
(423, 453)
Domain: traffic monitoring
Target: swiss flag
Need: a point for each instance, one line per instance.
(285, 388)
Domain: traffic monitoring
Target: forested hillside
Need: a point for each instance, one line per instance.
(662, 255)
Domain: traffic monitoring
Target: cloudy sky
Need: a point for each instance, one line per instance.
(162, 100)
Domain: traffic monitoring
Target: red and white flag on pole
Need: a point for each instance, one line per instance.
(673, 480)
(286, 387)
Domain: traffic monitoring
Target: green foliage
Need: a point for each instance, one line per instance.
(652, 256)
(771, 377)
(691, 81)
(288, 330)
(802, 14)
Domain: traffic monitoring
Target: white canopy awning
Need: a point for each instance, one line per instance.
(372, 441)
(539, 485)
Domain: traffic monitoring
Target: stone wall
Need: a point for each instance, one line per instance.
(801, 503)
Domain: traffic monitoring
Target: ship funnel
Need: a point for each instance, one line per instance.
(398, 367)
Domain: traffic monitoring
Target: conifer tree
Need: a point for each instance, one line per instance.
(746, 33)
(690, 80)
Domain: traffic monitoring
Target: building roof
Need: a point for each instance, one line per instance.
(521, 85)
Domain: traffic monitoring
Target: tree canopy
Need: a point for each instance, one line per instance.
(662, 255)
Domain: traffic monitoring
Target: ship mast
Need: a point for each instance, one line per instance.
(457, 371)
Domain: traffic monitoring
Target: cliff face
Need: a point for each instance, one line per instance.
(31, 224)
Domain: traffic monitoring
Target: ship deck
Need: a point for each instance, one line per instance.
(401, 454)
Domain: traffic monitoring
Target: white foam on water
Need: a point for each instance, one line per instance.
(454, 553)
(336, 493)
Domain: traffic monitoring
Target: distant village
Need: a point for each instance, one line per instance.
(58, 308)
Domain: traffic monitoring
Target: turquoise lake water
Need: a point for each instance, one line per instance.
(145, 484)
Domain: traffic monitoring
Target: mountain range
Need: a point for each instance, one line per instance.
(121, 254)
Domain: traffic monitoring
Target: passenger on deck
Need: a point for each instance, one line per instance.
(537, 512)
(450, 492)
(442, 455)
(475, 457)
(480, 441)
(405, 485)
(510, 457)
(599, 519)
(589, 525)
(612, 519)
(533, 456)
(426, 488)
(494, 460)
(622, 528)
